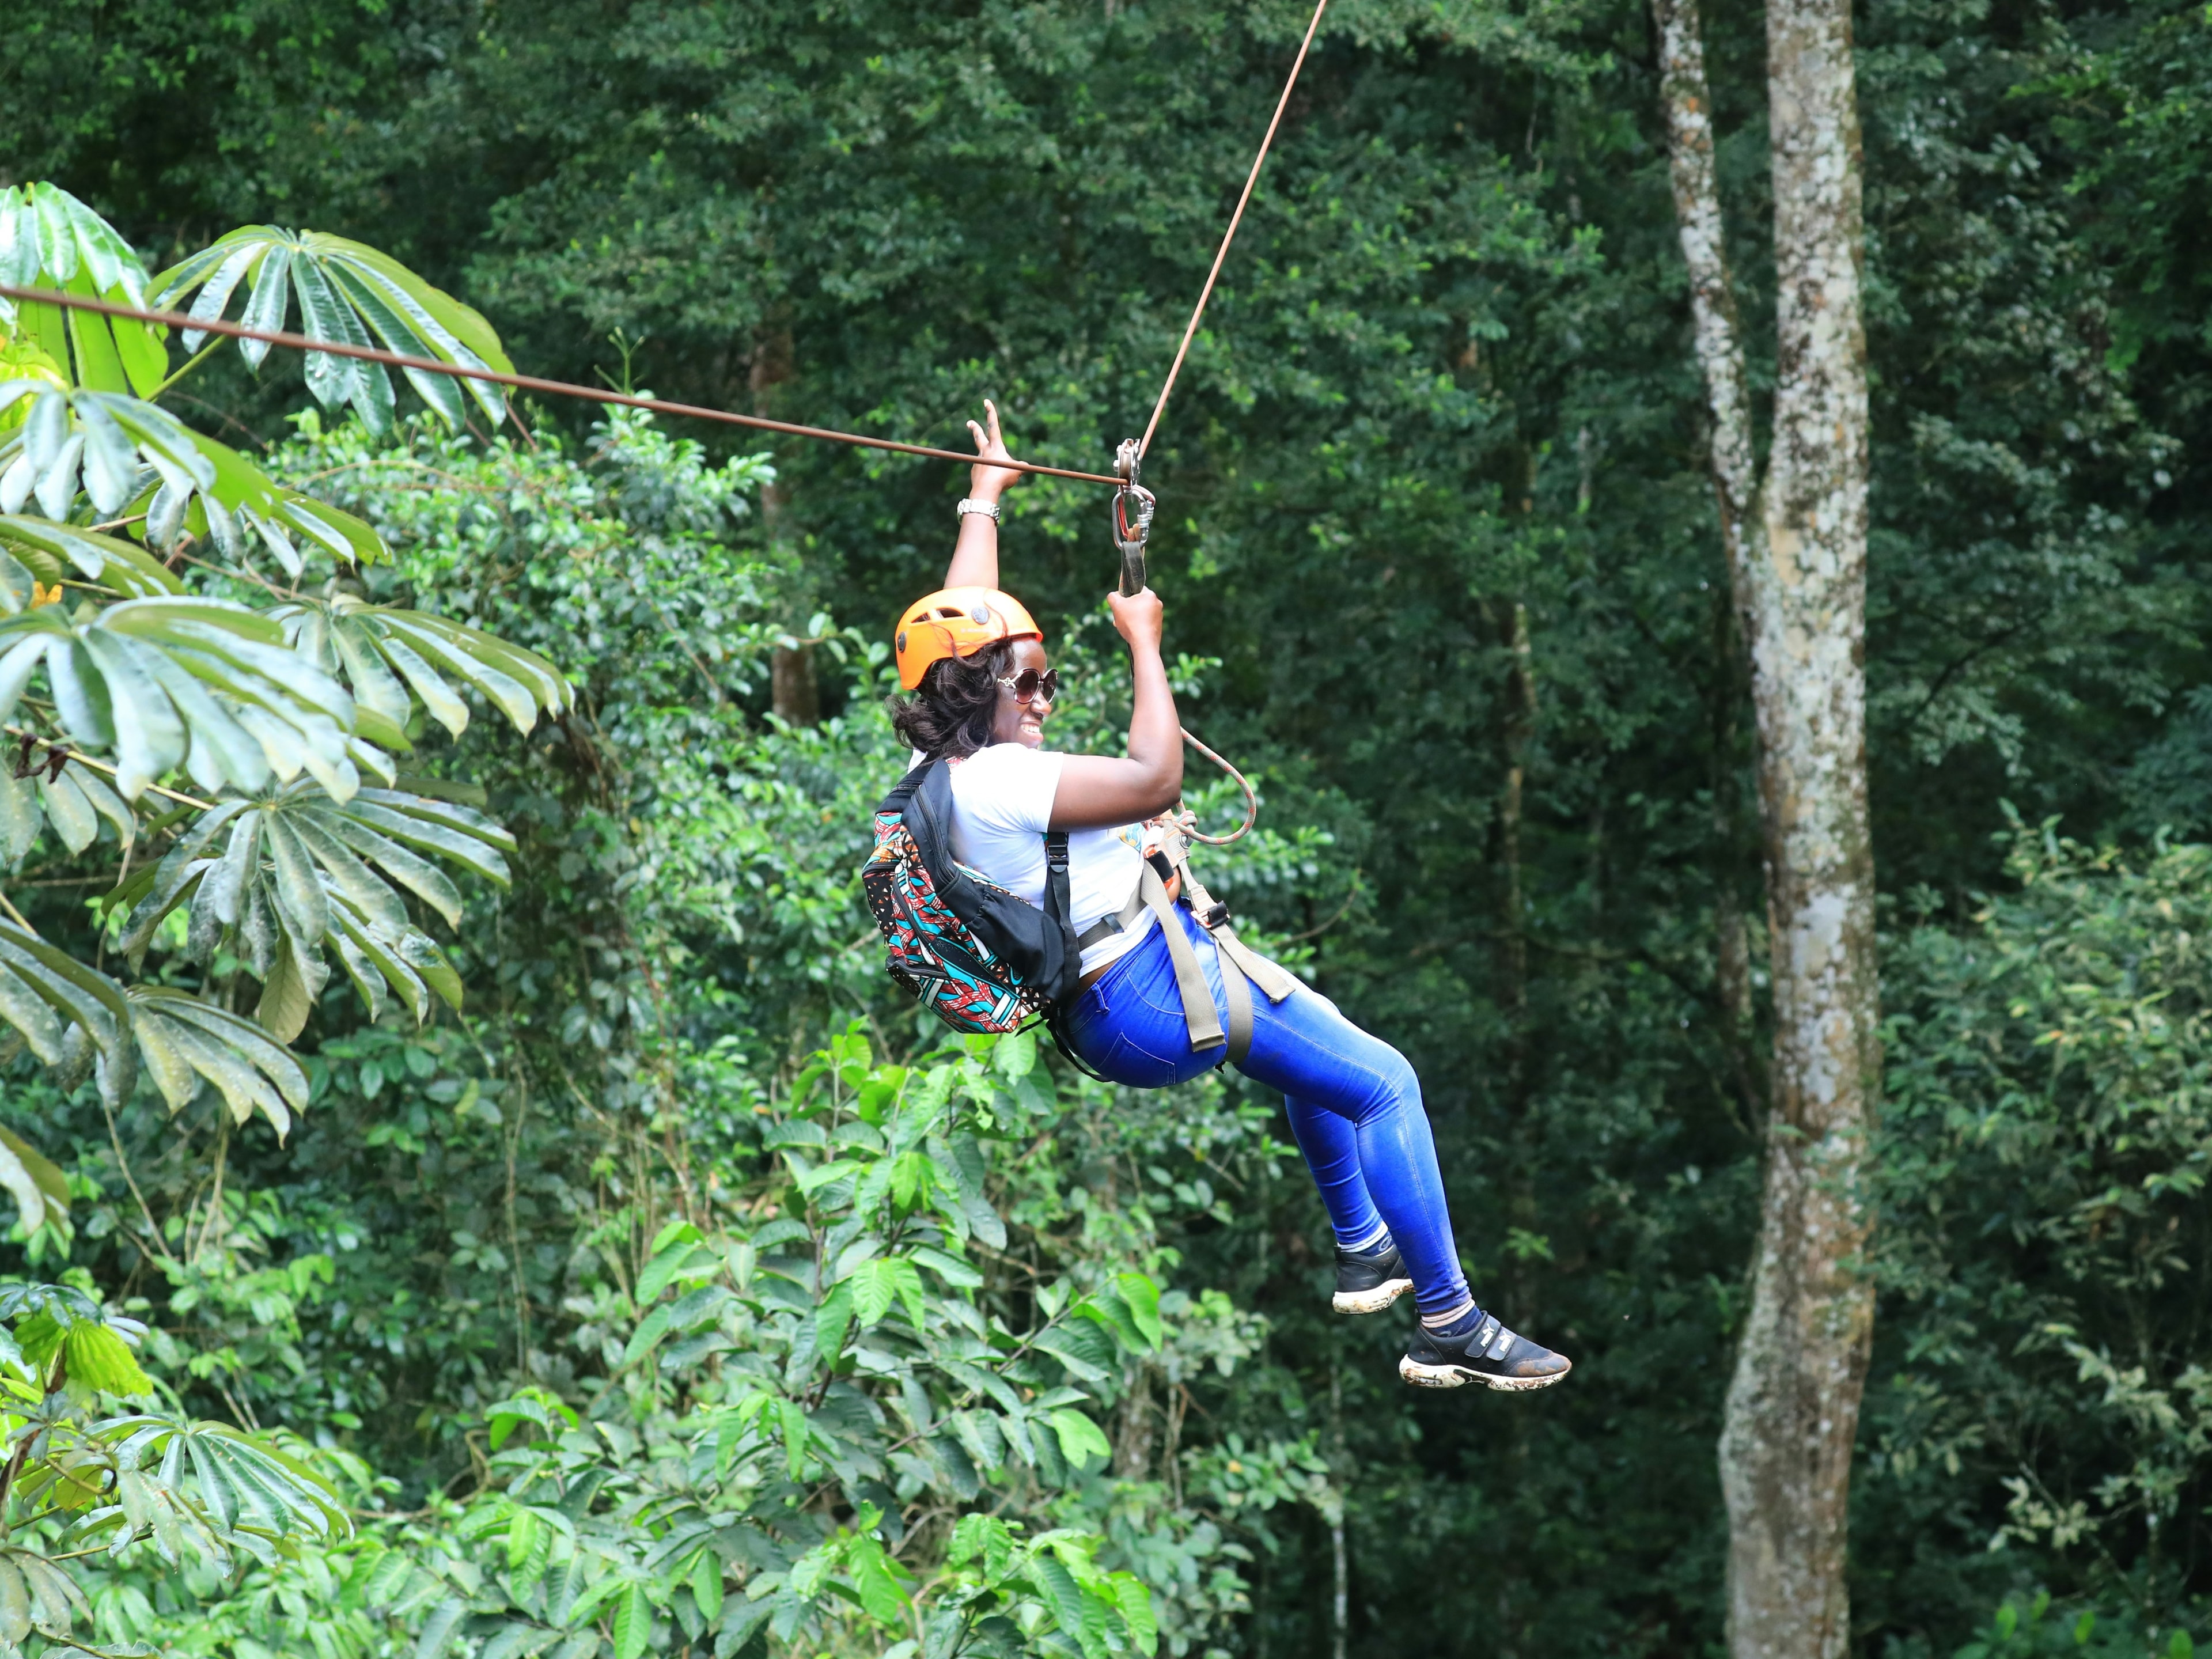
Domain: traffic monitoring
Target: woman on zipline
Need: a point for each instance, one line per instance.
(983, 690)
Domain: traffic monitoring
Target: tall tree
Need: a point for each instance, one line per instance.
(1796, 540)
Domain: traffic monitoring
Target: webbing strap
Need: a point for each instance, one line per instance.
(1198, 1014)
(1238, 993)
(1273, 978)
(1106, 927)
(1242, 967)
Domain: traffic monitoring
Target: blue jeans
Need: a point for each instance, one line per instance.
(1354, 1103)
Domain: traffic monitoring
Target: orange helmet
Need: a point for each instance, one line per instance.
(958, 622)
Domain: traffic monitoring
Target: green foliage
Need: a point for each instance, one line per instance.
(2044, 1183)
(1443, 391)
(794, 1381)
(50, 239)
(195, 679)
(347, 292)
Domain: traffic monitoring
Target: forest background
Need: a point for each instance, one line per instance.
(1438, 545)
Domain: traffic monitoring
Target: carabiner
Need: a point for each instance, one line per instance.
(1129, 539)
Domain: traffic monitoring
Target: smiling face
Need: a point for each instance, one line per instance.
(1022, 723)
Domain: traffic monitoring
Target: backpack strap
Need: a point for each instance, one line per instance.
(1057, 904)
(903, 791)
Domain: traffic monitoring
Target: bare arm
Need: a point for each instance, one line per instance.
(976, 555)
(1099, 792)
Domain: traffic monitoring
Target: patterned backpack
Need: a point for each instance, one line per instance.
(980, 957)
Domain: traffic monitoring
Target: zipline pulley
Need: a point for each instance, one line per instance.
(1129, 538)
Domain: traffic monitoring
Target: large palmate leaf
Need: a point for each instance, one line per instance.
(132, 460)
(71, 799)
(36, 558)
(34, 1180)
(182, 1040)
(172, 681)
(188, 1487)
(66, 1013)
(70, 1015)
(384, 654)
(50, 239)
(349, 294)
(284, 876)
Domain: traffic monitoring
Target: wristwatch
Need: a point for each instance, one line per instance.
(989, 509)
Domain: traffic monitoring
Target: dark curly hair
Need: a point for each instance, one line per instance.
(951, 711)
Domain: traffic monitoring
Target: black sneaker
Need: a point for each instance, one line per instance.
(1480, 1350)
(1368, 1281)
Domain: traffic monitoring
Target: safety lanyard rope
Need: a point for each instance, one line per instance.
(1229, 235)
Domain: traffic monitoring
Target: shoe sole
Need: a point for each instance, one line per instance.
(1373, 1301)
(1452, 1376)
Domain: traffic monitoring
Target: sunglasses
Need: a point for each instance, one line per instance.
(1029, 685)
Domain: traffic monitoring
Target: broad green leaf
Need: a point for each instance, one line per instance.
(381, 652)
(1134, 1599)
(953, 1271)
(873, 1291)
(20, 813)
(50, 239)
(1081, 1357)
(633, 1622)
(706, 1581)
(40, 1188)
(348, 292)
(94, 1017)
(875, 1579)
(1080, 1439)
(1142, 1298)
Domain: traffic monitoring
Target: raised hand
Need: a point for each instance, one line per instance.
(987, 484)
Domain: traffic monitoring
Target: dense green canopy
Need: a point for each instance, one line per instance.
(1434, 512)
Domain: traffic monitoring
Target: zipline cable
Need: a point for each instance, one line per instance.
(520, 382)
(696, 411)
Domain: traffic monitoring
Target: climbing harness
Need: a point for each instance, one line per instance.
(1242, 967)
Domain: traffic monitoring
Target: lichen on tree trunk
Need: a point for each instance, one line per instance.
(1796, 542)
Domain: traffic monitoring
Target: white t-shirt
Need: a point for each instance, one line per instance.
(1002, 808)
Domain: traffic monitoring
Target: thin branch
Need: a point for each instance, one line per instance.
(102, 766)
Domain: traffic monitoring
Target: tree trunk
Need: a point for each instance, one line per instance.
(793, 691)
(1796, 548)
